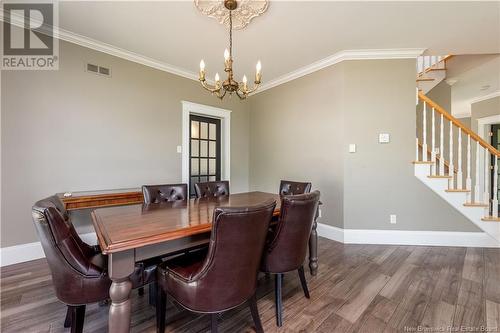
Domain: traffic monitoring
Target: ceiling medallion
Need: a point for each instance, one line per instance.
(220, 89)
(242, 15)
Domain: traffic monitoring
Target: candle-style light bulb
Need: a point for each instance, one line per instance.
(226, 55)
(258, 75)
(217, 79)
(202, 70)
(244, 83)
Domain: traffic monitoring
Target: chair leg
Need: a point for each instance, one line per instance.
(303, 282)
(77, 318)
(252, 302)
(278, 279)
(161, 308)
(141, 291)
(213, 321)
(67, 320)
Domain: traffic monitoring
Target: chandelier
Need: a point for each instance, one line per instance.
(220, 89)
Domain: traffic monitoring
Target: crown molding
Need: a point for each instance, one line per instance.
(71, 37)
(368, 54)
(364, 54)
(485, 97)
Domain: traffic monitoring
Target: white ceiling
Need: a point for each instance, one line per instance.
(289, 35)
(476, 76)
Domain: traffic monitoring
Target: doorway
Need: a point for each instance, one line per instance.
(204, 150)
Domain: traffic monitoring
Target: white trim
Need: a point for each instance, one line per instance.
(339, 57)
(213, 112)
(485, 97)
(25, 252)
(403, 237)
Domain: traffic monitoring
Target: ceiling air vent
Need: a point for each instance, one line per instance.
(99, 70)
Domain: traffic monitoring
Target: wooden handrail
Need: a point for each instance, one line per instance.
(457, 123)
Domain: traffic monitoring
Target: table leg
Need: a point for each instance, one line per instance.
(121, 266)
(313, 250)
(313, 246)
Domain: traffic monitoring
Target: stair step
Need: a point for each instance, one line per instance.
(474, 204)
(422, 162)
(457, 191)
(437, 176)
(425, 79)
(491, 219)
(436, 69)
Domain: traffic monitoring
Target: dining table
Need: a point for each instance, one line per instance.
(137, 232)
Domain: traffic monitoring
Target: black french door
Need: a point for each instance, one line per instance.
(204, 150)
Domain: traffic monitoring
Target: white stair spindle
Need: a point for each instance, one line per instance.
(441, 147)
(459, 161)
(486, 194)
(476, 186)
(468, 181)
(416, 152)
(424, 134)
(433, 144)
(451, 167)
(494, 202)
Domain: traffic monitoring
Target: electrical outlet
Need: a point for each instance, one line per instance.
(393, 219)
(352, 148)
(179, 149)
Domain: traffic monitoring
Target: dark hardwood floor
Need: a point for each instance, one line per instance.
(359, 288)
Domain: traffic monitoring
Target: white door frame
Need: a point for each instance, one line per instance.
(224, 115)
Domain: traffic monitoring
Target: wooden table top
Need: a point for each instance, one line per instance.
(128, 227)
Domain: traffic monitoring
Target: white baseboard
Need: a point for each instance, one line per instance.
(404, 237)
(31, 251)
(25, 252)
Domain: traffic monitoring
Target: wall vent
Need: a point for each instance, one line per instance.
(99, 70)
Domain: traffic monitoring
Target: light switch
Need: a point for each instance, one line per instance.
(352, 148)
(384, 138)
(179, 149)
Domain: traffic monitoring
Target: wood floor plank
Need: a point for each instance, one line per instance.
(359, 301)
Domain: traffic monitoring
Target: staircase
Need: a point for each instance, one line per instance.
(456, 163)
(430, 71)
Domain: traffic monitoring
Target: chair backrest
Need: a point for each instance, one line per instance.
(165, 192)
(288, 187)
(211, 189)
(287, 249)
(68, 262)
(228, 276)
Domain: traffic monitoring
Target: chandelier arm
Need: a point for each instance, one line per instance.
(243, 96)
(209, 88)
(255, 87)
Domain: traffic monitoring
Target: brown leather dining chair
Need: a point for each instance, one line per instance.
(163, 193)
(153, 194)
(288, 187)
(286, 248)
(211, 189)
(79, 271)
(224, 276)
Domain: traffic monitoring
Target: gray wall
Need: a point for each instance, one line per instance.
(302, 129)
(486, 108)
(297, 133)
(69, 130)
